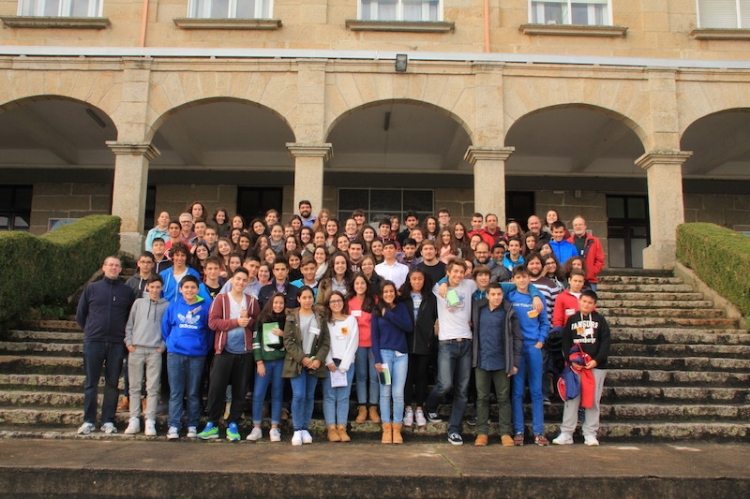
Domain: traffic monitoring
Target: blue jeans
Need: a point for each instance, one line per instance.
(303, 399)
(98, 356)
(272, 377)
(454, 368)
(336, 400)
(184, 382)
(398, 367)
(531, 369)
(367, 376)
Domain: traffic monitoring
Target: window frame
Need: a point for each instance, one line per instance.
(400, 13)
(737, 13)
(94, 8)
(15, 210)
(343, 215)
(231, 8)
(608, 21)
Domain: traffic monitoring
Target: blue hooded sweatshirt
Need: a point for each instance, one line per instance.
(184, 327)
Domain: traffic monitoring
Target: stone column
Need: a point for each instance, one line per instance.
(666, 207)
(129, 190)
(489, 179)
(309, 163)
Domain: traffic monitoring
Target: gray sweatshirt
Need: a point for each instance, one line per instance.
(144, 323)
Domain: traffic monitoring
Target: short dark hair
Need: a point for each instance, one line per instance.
(384, 221)
(589, 293)
(213, 259)
(409, 241)
(411, 213)
(389, 242)
(557, 224)
(494, 285)
(157, 239)
(481, 269)
(356, 241)
(520, 270)
(190, 278)
(154, 278)
(304, 201)
(240, 270)
(281, 260)
(146, 254)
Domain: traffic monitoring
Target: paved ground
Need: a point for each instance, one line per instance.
(126, 468)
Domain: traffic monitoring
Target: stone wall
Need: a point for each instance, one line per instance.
(728, 210)
(67, 200)
(175, 198)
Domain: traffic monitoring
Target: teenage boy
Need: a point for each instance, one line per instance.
(145, 270)
(161, 261)
(305, 213)
(200, 232)
(430, 263)
(384, 232)
(184, 329)
(498, 251)
(477, 220)
(535, 328)
(175, 237)
(145, 345)
(211, 239)
(279, 284)
(588, 247)
(232, 316)
(567, 302)
(482, 276)
(411, 221)
(174, 275)
(409, 254)
(212, 283)
(271, 219)
(513, 257)
(444, 218)
(590, 331)
(496, 356)
(560, 247)
(389, 269)
(355, 253)
(308, 268)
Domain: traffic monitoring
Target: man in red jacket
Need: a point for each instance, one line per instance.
(590, 248)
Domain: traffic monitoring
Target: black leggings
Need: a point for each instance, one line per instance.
(416, 380)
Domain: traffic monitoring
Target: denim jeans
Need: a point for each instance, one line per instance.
(531, 369)
(184, 382)
(272, 377)
(454, 368)
(303, 399)
(366, 376)
(148, 359)
(98, 356)
(336, 400)
(398, 367)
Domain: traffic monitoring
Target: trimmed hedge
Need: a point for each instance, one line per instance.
(53, 266)
(720, 257)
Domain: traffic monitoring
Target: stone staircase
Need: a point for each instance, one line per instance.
(679, 369)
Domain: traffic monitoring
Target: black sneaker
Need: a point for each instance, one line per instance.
(455, 439)
(547, 402)
(471, 421)
(433, 417)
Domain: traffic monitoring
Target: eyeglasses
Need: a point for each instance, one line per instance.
(333, 302)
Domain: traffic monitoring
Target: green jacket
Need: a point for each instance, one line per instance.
(260, 353)
(294, 351)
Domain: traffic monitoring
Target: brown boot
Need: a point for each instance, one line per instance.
(387, 433)
(124, 405)
(374, 414)
(361, 414)
(333, 433)
(144, 404)
(342, 433)
(397, 438)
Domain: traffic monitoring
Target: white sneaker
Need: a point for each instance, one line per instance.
(256, 434)
(109, 428)
(192, 432)
(275, 435)
(86, 428)
(150, 428)
(134, 426)
(590, 440)
(563, 439)
(306, 437)
(408, 418)
(297, 438)
(173, 433)
(421, 420)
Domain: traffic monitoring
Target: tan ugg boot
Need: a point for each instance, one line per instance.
(397, 438)
(342, 433)
(333, 434)
(387, 433)
(124, 405)
(374, 414)
(361, 414)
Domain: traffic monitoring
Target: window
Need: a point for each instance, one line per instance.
(727, 14)
(400, 10)
(580, 12)
(384, 203)
(15, 207)
(60, 8)
(230, 9)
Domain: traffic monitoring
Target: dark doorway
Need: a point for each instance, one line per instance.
(15, 207)
(519, 206)
(627, 230)
(254, 202)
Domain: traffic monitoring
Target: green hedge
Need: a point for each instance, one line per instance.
(720, 257)
(53, 266)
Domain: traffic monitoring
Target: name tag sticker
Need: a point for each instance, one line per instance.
(356, 313)
(315, 331)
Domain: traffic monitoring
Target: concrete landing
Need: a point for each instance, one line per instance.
(126, 468)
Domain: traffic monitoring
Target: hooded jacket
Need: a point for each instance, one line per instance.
(593, 255)
(219, 320)
(185, 327)
(144, 323)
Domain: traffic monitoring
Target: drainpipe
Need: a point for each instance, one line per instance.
(144, 22)
(486, 25)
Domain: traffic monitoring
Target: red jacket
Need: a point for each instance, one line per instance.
(565, 305)
(593, 255)
(219, 321)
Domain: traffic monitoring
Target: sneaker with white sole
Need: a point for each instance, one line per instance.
(192, 432)
(421, 420)
(150, 428)
(134, 426)
(563, 439)
(173, 433)
(233, 433)
(408, 418)
(297, 438)
(306, 437)
(210, 432)
(455, 439)
(433, 417)
(86, 428)
(109, 428)
(590, 440)
(256, 434)
(275, 435)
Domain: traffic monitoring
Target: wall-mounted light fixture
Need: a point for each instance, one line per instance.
(401, 61)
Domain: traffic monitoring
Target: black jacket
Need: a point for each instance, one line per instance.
(290, 294)
(422, 336)
(103, 310)
(513, 334)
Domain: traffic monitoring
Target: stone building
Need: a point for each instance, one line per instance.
(633, 113)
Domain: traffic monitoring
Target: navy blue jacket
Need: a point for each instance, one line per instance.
(103, 310)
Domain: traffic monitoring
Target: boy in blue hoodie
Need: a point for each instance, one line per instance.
(185, 331)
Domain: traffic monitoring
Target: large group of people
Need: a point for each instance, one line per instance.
(240, 307)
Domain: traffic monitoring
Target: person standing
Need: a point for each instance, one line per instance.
(590, 249)
(102, 313)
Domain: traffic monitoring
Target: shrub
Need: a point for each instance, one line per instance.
(720, 257)
(52, 266)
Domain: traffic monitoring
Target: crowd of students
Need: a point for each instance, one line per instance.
(246, 306)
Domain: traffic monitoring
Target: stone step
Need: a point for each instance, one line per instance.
(622, 394)
(680, 350)
(608, 295)
(635, 273)
(708, 313)
(51, 325)
(47, 382)
(17, 398)
(668, 411)
(681, 335)
(644, 288)
(657, 377)
(625, 279)
(680, 363)
(12, 364)
(61, 336)
(625, 303)
(39, 348)
(670, 321)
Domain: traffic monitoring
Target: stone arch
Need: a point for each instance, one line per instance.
(101, 114)
(719, 143)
